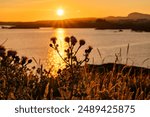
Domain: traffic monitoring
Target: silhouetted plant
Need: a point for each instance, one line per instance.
(17, 80)
(71, 58)
(73, 65)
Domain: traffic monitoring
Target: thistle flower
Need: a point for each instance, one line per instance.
(51, 45)
(90, 49)
(82, 42)
(29, 61)
(11, 53)
(2, 54)
(53, 39)
(67, 50)
(57, 45)
(2, 51)
(73, 40)
(67, 39)
(87, 51)
(17, 59)
(24, 60)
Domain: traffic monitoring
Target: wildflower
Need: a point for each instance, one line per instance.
(73, 40)
(24, 59)
(53, 39)
(51, 45)
(57, 45)
(82, 42)
(11, 53)
(2, 51)
(17, 59)
(2, 48)
(29, 61)
(38, 70)
(87, 51)
(67, 39)
(90, 49)
(67, 50)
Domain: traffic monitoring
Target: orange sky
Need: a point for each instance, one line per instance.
(32, 10)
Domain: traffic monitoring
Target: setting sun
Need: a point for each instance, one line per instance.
(60, 12)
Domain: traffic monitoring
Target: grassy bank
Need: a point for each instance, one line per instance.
(78, 80)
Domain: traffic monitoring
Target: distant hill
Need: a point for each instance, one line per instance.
(131, 16)
(137, 15)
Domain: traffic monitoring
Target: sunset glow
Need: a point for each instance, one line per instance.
(52, 57)
(60, 12)
(33, 10)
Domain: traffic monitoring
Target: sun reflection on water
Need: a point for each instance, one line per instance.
(54, 62)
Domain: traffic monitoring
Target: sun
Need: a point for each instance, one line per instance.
(60, 12)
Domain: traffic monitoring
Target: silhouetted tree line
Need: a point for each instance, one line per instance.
(135, 25)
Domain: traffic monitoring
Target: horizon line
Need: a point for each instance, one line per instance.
(73, 18)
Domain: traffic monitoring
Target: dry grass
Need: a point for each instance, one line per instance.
(107, 86)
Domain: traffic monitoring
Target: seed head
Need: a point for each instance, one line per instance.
(82, 42)
(2, 48)
(73, 40)
(24, 59)
(2, 51)
(51, 45)
(87, 51)
(17, 59)
(29, 61)
(90, 49)
(53, 39)
(11, 53)
(67, 39)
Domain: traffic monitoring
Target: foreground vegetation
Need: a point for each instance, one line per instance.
(77, 80)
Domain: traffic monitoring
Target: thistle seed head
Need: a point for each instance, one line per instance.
(11, 53)
(67, 39)
(73, 40)
(82, 42)
(53, 39)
